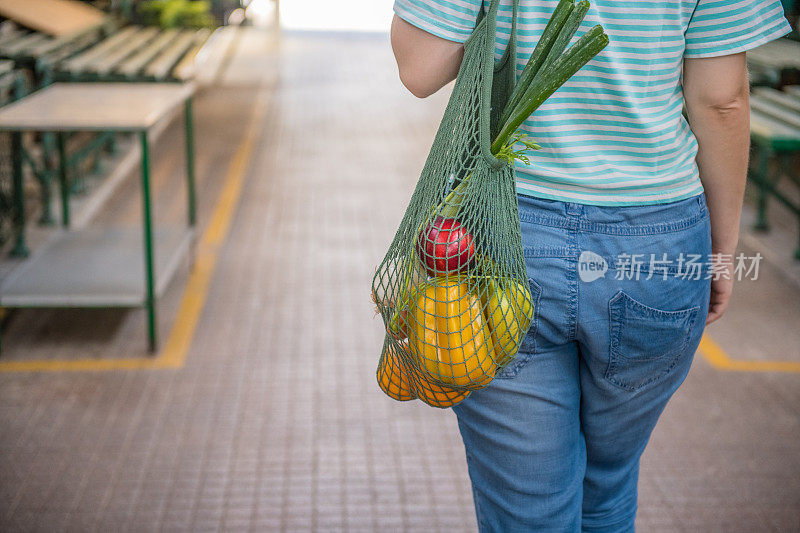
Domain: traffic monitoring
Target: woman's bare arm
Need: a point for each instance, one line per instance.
(426, 62)
(718, 103)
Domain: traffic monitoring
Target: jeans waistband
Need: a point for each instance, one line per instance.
(615, 220)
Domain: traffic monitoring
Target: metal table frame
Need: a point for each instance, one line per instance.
(775, 135)
(147, 217)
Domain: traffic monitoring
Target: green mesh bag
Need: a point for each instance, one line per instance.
(452, 290)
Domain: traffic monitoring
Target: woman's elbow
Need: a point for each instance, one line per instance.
(415, 83)
(717, 86)
(412, 72)
(422, 77)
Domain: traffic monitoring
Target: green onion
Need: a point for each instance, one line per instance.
(551, 32)
(564, 37)
(563, 68)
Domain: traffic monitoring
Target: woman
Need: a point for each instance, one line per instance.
(629, 219)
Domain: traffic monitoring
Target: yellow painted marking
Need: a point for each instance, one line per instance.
(173, 353)
(717, 357)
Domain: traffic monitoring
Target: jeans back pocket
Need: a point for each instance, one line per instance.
(528, 345)
(646, 343)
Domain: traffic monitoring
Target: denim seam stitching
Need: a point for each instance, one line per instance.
(574, 288)
(549, 251)
(613, 335)
(652, 310)
(647, 229)
(614, 229)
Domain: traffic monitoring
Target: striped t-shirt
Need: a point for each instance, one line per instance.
(614, 134)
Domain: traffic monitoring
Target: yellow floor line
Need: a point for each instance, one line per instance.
(173, 352)
(717, 357)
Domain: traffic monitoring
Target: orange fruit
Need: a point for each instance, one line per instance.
(438, 396)
(393, 376)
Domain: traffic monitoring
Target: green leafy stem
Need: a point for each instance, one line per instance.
(507, 152)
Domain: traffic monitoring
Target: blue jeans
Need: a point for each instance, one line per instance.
(553, 443)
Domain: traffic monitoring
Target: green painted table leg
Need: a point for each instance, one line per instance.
(111, 143)
(63, 165)
(797, 252)
(189, 122)
(20, 247)
(45, 178)
(150, 297)
(763, 194)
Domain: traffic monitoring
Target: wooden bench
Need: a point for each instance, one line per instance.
(775, 135)
(45, 57)
(179, 59)
(99, 61)
(101, 48)
(133, 53)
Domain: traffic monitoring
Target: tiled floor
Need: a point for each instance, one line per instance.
(275, 421)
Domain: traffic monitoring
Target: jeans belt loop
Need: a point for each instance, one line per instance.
(574, 209)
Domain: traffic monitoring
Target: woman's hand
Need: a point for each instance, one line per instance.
(426, 62)
(721, 290)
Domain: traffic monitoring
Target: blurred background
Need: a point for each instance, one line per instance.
(194, 196)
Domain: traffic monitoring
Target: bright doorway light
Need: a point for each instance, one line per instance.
(340, 15)
(260, 12)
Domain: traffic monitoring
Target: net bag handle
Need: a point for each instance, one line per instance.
(510, 52)
(511, 48)
(487, 24)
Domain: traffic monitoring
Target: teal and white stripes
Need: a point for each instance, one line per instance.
(452, 20)
(725, 27)
(614, 134)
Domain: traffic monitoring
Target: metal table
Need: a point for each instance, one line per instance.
(93, 267)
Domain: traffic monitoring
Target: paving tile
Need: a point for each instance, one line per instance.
(782, 519)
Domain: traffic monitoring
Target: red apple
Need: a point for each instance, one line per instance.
(445, 247)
